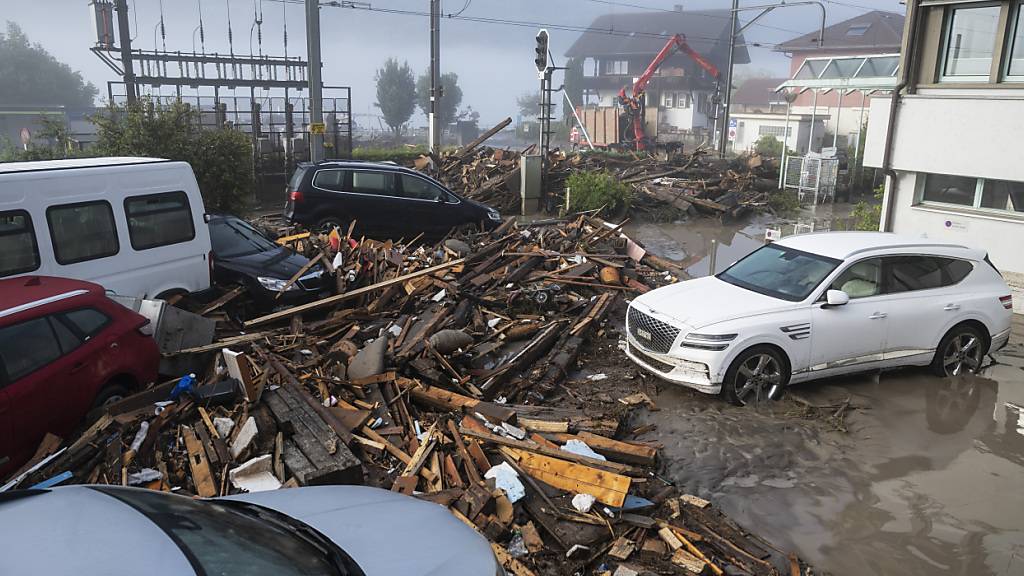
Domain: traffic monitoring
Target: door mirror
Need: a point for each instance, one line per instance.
(835, 298)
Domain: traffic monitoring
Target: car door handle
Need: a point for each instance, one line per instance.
(877, 316)
(950, 307)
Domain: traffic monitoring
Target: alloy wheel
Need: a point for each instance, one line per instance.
(964, 352)
(758, 378)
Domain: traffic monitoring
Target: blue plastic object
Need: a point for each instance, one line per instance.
(184, 386)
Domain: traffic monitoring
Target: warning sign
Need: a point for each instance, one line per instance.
(317, 127)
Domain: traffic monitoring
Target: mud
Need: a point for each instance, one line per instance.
(921, 476)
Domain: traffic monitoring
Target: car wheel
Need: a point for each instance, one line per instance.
(330, 223)
(961, 350)
(758, 374)
(110, 394)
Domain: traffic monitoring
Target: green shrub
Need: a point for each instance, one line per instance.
(867, 216)
(768, 145)
(784, 202)
(597, 189)
(400, 155)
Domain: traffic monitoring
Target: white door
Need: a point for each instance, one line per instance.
(851, 337)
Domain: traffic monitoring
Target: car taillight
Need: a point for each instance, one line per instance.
(1006, 301)
(295, 196)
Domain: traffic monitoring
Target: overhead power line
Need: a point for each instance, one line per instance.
(660, 9)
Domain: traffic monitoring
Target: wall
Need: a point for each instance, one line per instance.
(748, 133)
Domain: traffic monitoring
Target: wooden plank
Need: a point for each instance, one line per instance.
(330, 300)
(558, 454)
(688, 561)
(460, 449)
(607, 487)
(224, 299)
(543, 426)
(201, 476)
(286, 239)
(613, 449)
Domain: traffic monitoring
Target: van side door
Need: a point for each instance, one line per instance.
(162, 228)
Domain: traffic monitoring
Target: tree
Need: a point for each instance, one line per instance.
(32, 77)
(221, 158)
(768, 145)
(529, 104)
(396, 94)
(451, 96)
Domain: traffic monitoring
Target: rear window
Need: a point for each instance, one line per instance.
(26, 347)
(19, 252)
(330, 180)
(159, 220)
(909, 273)
(82, 232)
(296, 180)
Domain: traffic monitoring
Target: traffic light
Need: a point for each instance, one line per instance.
(542, 50)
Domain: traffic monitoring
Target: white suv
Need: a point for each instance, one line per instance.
(818, 305)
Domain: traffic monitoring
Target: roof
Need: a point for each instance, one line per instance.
(872, 72)
(27, 292)
(875, 31)
(645, 33)
(9, 167)
(842, 245)
(758, 92)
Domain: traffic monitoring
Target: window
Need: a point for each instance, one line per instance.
(87, 322)
(668, 99)
(970, 42)
(776, 131)
(1015, 47)
(982, 193)
(616, 67)
(82, 232)
(18, 250)
(907, 273)
(857, 29)
(420, 189)
(780, 272)
(159, 220)
(382, 183)
(26, 347)
(330, 180)
(861, 280)
(68, 339)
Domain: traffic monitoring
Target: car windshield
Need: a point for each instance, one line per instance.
(223, 539)
(232, 237)
(780, 272)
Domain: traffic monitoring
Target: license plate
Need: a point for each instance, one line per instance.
(643, 334)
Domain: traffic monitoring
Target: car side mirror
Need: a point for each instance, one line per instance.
(835, 298)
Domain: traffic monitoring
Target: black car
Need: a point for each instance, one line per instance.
(385, 201)
(243, 255)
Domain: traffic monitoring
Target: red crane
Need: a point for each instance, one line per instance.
(632, 104)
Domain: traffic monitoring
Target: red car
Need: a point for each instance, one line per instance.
(65, 348)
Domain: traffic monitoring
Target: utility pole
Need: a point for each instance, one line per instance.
(125, 41)
(436, 92)
(316, 87)
(723, 136)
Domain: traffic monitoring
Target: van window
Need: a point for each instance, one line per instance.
(330, 180)
(380, 183)
(27, 347)
(82, 231)
(19, 252)
(159, 220)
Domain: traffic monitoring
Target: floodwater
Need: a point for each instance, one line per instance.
(924, 476)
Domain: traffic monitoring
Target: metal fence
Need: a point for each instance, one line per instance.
(811, 176)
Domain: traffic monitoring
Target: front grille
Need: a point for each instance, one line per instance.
(649, 360)
(652, 333)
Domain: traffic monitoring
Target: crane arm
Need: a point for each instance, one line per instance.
(677, 42)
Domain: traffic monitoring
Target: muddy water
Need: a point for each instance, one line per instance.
(927, 477)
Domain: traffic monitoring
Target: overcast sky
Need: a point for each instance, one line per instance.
(494, 62)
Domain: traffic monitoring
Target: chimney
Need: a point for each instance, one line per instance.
(678, 7)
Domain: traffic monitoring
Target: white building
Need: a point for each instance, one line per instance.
(955, 150)
(751, 126)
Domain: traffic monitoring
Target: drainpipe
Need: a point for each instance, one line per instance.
(905, 72)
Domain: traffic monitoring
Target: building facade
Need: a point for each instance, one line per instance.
(751, 126)
(955, 150)
(871, 33)
(680, 97)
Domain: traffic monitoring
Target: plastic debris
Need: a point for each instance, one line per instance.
(506, 478)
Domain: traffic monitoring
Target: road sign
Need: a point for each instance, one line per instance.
(732, 129)
(317, 128)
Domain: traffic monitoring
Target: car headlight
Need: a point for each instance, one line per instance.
(275, 284)
(494, 215)
(716, 342)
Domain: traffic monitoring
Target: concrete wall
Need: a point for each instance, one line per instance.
(748, 133)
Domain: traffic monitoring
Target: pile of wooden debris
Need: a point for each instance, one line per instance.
(431, 372)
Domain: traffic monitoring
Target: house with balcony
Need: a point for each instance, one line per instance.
(951, 140)
(617, 48)
(868, 34)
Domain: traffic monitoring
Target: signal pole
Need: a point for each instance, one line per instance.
(436, 92)
(125, 40)
(316, 89)
(723, 136)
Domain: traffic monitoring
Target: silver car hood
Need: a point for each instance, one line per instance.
(386, 533)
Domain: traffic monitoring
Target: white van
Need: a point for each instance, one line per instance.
(135, 226)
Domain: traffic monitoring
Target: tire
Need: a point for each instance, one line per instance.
(109, 394)
(769, 368)
(325, 225)
(961, 350)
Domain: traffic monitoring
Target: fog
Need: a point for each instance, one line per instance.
(494, 61)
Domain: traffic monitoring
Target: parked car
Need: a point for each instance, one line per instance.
(818, 305)
(133, 225)
(384, 200)
(320, 530)
(64, 348)
(243, 255)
